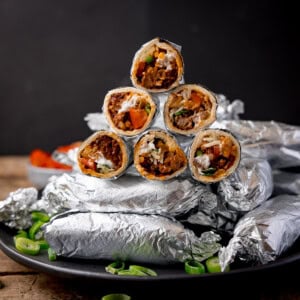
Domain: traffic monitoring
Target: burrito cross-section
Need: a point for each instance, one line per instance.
(214, 155)
(189, 108)
(129, 111)
(157, 66)
(158, 156)
(104, 154)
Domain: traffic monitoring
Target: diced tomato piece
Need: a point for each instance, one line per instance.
(88, 163)
(138, 117)
(196, 98)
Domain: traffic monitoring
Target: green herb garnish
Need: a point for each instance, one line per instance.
(209, 171)
(181, 112)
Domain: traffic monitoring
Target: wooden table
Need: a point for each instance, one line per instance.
(20, 282)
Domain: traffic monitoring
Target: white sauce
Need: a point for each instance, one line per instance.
(202, 162)
(102, 161)
(129, 103)
(166, 61)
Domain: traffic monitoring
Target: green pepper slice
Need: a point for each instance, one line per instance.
(213, 265)
(180, 112)
(145, 270)
(27, 246)
(116, 297)
(134, 272)
(33, 230)
(51, 254)
(149, 59)
(43, 244)
(40, 216)
(115, 267)
(210, 171)
(194, 267)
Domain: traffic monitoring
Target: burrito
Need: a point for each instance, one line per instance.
(214, 154)
(189, 108)
(104, 154)
(157, 156)
(129, 111)
(157, 66)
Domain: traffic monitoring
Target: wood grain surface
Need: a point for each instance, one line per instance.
(20, 282)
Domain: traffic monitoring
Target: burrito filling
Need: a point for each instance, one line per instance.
(156, 158)
(129, 110)
(159, 69)
(189, 108)
(103, 155)
(215, 155)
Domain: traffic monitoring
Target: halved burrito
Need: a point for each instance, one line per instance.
(214, 154)
(189, 108)
(157, 156)
(157, 66)
(129, 111)
(104, 154)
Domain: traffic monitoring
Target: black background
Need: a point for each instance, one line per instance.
(59, 58)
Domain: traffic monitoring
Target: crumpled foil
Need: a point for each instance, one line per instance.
(276, 142)
(116, 236)
(265, 232)
(248, 186)
(16, 208)
(67, 158)
(127, 194)
(286, 182)
(237, 194)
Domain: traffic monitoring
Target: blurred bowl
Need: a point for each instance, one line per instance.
(39, 176)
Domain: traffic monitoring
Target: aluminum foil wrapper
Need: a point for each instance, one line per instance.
(128, 194)
(16, 208)
(276, 142)
(286, 182)
(67, 158)
(265, 232)
(116, 236)
(248, 186)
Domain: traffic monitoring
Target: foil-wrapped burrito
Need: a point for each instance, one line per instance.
(129, 111)
(157, 66)
(104, 154)
(237, 194)
(265, 232)
(189, 108)
(286, 182)
(249, 186)
(127, 194)
(276, 142)
(116, 236)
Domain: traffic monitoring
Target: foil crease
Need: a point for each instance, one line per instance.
(248, 186)
(276, 142)
(16, 208)
(127, 194)
(265, 232)
(116, 236)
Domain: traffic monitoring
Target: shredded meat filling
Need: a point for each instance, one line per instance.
(188, 113)
(170, 161)
(151, 74)
(221, 156)
(133, 117)
(104, 146)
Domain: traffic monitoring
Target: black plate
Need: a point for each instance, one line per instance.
(95, 269)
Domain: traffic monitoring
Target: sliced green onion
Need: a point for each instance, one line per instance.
(51, 254)
(199, 152)
(147, 271)
(39, 216)
(148, 108)
(209, 171)
(43, 244)
(115, 267)
(213, 265)
(149, 59)
(194, 267)
(27, 246)
(116, 297)
(134, 272)
(181, 112)
(33, 230)
(21, 233)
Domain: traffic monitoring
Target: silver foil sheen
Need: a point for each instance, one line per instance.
(127, 194)
(248, 186)
(276, 142)
(16, 208)
(139, 238)
(265, 232)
